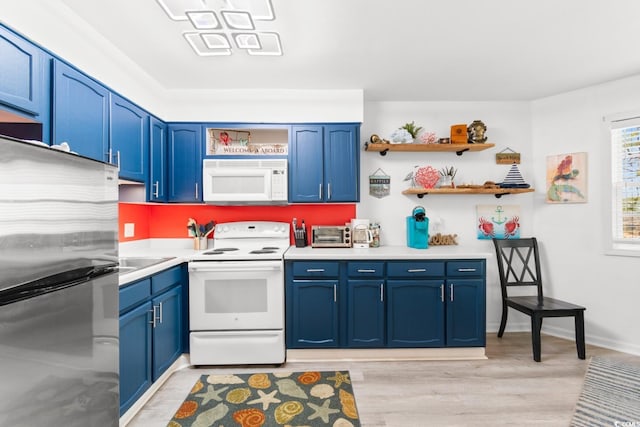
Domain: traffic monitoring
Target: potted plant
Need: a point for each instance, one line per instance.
(412, 129)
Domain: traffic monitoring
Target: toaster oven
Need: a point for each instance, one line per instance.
(330, 236)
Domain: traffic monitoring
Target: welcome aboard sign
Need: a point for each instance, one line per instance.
(270, 142)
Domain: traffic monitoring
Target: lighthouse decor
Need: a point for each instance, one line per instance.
(514, 179)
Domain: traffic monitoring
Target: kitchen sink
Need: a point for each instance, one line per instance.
(131, 264)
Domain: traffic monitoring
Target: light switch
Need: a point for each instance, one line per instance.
(129, 229)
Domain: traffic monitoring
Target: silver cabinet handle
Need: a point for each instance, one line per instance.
(315, 270)
(381, 292)
(335, 293)
(451, 292)
(466, 270)
(329, 191)
(320, 192)
(153, 316)
(160, 310)
(362, 270)
(196, 191)
(118, 159)
(416, 270)
(109, 156)
(156, 192)
(442, 292)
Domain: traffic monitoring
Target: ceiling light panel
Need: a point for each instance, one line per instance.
(270, 43)
(215, 40)
(202, 48)
(247, 41)
(237, 20)
(260, 10)
(204, 20)
(176, 8)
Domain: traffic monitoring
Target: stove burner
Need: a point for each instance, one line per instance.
(213, 252)
(226, 249)
(263, 251)
(270, 248)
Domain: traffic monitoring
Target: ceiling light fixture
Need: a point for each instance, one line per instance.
(237, 20)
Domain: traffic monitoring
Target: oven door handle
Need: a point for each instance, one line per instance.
(231, 266)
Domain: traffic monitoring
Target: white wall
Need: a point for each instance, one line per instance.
(573, 235)
(508, 125)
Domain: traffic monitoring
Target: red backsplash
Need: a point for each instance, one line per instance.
(170, 221)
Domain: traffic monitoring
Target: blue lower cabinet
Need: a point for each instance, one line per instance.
(415, 313)
(152, 331)
(466, 313)
(135, 355)
(365, 313)
(313, 321)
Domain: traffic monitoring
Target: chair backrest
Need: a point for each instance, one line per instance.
(518, 263)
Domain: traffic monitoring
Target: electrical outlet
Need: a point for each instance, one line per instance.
(129, 229)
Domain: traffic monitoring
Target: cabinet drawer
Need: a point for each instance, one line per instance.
(408, 269)
(366, 269)
(134, 293)
(166, 279)
(468, 268)
(315, 269)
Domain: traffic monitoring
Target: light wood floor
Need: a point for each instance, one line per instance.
(508, 389)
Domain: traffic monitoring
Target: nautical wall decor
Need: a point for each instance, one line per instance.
(567, 178)
(507, 157)
(499, 221)
(379, 184)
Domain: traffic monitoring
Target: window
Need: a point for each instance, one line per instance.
(625, 185)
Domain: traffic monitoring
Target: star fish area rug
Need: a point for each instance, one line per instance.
(275, 399)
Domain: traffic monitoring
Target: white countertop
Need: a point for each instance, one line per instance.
(385, 253)
(182, 250)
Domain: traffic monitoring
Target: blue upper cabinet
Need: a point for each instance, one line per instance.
(324, 164)
(129, 137)
(80, 112)
(157, 188)
(25, 85)
(21, 74)
(185, 146)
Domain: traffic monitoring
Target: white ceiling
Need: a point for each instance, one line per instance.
(400, 50)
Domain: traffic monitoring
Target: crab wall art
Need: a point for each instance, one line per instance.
(499, 221)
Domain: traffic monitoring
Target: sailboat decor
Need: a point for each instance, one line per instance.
(514, 179)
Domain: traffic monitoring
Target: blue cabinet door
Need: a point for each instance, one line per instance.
(135, 355)
(80, 112)
(415, 313)
(23, 74)
(465, 313)
(324, 164)
(185, 162)
(306, 171)
(167, 333)
(365, 313)
(314, 314)
(341, 163)
(129, 136)
(156, 187)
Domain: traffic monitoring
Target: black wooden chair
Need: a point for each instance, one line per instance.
(519, 266)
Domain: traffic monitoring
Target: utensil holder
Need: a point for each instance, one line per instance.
(200, 243)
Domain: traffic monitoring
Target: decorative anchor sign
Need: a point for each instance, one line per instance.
(379, 184)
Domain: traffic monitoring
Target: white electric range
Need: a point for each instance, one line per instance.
(236, 295)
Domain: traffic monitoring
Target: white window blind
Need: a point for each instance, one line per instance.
(625, 183)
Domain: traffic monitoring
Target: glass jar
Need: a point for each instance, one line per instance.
(375, 235)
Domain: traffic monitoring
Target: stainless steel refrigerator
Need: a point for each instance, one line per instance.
(58, 288)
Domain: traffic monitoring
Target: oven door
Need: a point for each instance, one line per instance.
(236, 295)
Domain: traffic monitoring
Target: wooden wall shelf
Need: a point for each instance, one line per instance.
(498, 192)
(457, 148)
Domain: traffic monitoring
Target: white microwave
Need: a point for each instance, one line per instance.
(244, 181)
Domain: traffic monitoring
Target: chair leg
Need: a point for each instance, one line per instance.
(503, 322)
(580, 346)
(536, 325)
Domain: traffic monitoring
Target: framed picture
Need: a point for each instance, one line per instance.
(567, 178)
(499, 221)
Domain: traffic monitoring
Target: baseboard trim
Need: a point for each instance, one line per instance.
(385, 354)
